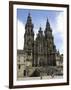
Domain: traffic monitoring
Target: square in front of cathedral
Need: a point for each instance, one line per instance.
(40, 44)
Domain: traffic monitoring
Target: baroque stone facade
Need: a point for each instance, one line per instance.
(42, 49)
(38, 52)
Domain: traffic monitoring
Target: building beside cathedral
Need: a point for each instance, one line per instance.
(38, 55)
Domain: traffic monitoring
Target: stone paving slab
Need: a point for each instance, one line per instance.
(40, 78)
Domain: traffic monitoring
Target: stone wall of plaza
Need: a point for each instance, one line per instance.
(39, 55)
(23, 61)
(20, 63)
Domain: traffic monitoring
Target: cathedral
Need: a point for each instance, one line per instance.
(42, 49)
(39, 52)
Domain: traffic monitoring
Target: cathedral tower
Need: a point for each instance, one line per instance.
(49, 45)
(39, 49)
(29, 37)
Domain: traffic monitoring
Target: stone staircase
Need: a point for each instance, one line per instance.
(42, 71)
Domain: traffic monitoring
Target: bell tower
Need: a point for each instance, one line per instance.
(29, 37)
(50, 47)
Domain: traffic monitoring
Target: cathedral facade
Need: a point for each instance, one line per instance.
(42, 49)
(38, 52)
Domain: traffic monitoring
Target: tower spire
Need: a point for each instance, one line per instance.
(40, 33)
(48, 30)
(29, 19)
(47, 24)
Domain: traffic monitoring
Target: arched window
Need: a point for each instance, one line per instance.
(19, 66)
(24, 72)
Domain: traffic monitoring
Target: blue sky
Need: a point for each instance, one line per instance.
(39, 18)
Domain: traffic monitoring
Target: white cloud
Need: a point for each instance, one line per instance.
(58, 32)
(59, 27)
(21, 31)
